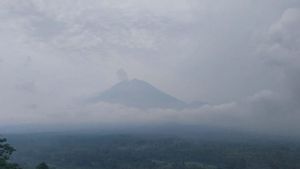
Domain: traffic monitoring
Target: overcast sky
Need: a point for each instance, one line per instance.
(240, 57)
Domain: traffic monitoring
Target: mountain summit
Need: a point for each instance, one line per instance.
(140, 94)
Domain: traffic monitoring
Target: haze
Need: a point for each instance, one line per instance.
(240, 58)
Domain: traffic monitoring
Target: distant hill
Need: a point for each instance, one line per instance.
(140, 94)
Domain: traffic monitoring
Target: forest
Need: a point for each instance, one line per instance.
(137, 151)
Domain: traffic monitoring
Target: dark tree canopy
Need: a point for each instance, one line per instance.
(6, 151)
(42, 165)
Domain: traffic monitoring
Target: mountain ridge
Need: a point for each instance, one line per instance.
(140, 94)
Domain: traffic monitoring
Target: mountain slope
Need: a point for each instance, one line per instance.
(140, 94)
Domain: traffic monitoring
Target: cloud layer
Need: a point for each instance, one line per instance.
(242, 58)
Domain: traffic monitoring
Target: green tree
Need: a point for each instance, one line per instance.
(6, 151)
(42, 165)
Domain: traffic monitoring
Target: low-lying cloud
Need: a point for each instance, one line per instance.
(53, 55)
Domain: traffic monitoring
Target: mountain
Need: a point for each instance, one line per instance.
(196, 104)
(140, 94)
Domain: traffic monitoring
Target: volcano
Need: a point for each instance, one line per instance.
(139, 94)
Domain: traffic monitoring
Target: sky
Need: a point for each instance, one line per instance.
(239, 57)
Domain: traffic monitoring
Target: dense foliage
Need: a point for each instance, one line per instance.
(6, 151)
(42, 165)
(146, 152)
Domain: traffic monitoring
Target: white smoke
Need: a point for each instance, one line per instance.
(122, 75)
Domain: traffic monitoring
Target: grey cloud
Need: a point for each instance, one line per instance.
(241, 57)
(26, 86)
(283, 48)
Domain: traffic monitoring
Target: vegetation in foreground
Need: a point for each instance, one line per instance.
(6, 150)
(146, 152)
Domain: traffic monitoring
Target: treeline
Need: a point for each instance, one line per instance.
(135, 152)
(6, 151)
